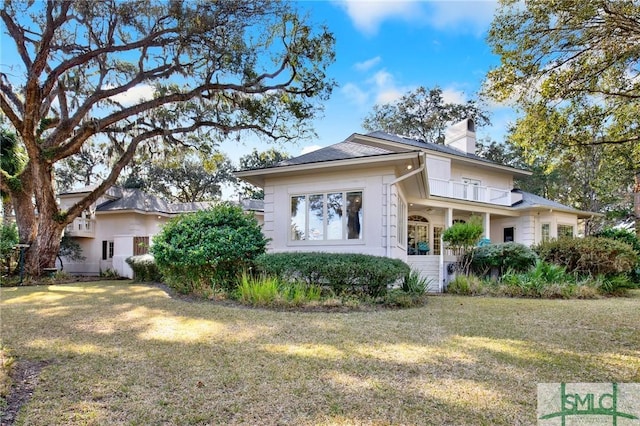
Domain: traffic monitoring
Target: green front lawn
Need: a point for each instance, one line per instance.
(129, 354)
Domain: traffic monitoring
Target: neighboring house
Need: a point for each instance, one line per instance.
(122, 223)
(387, 195)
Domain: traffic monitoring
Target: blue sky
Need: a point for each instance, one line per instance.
(385, 48)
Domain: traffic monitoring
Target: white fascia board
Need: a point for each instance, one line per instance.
(257, 176)
(490, 165)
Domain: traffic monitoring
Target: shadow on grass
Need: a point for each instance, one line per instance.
(130, 354)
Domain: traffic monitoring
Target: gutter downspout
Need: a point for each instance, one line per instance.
(389, 185)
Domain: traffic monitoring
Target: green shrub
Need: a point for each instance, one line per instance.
(499, 258)
(144, 268)
(616, 285)
(258, 291)
(414, 283)
(343, 273)
(468, 285)
(589, 256)
(269, 291)
(630, 238)
(8, 239)
(198, 251)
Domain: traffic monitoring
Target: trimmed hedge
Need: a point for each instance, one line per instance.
(144, 268)
(344, 273)
(589, 256)
(500, 258)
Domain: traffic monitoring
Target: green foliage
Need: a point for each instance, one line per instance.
(8, 239)
(462, 236)
(271, 291)
(208, 248)
(627, 237)
(144, 268)
(565, 64)
(468, 285)
(258, 160)
(414, 283)
(422, 114)
(69, 249)
(343, 273)
(187, 179)
(253, 67)
(589, 256)
(499, 258)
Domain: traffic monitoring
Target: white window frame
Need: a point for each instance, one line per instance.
(344, 227)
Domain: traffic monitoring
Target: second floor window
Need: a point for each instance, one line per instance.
(326, 216)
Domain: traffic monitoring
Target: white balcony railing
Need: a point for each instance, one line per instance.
(469, 192)
(81, 227)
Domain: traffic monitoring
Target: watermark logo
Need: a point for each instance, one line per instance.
(565, 404)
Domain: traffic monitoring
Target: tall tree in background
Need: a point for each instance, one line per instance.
(189, 178)
(258, 160)
(576, 61)
(148, 72)
(422, 114)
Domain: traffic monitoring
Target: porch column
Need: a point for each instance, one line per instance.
(487, 226)
(448, 218)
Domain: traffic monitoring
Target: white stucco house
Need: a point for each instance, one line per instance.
(122, 223)
(387, 195)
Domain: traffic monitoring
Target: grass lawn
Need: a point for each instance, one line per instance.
(123, 353)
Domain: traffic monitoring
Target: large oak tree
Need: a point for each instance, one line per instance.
(202, 71)
(572, 67)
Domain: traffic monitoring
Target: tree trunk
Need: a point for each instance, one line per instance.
(636, 203)
(44, 249)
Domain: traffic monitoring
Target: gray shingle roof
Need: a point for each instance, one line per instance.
(427, 145)
(136, 199)
(530, 200)
(340, 151)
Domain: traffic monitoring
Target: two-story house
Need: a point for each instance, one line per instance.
(387, 195)
(121, 224)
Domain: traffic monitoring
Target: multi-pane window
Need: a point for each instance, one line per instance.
(418, 238)
(437, 235)
(545, 231)
(107, 250)
(565, 231)
(327, 216)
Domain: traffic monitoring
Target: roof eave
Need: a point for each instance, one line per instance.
(257, 176)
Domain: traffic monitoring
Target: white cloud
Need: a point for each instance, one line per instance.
(354, 94)
(453, 96)
(309, 148)
(461, 15)
(380, 88)
(368, 15)
(471, 15)
(368, 64)
(135, 95)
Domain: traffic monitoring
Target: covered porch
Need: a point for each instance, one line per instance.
(427, 220)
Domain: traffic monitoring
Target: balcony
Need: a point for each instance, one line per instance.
(81, 227)
(470, 192)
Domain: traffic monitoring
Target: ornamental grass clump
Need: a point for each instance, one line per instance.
(201, 251)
